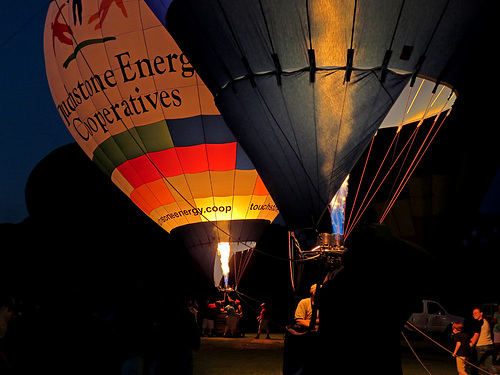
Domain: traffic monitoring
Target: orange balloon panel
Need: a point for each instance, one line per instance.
(134, 104)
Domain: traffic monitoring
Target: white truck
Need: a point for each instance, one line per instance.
(433, 318)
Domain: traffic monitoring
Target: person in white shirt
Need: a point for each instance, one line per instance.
(481, 339)
(304, 310)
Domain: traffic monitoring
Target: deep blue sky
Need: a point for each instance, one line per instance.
(30, 126)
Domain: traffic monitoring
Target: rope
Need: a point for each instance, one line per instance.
(240, 295)
(415, 354)
(21, 28)
(414, 163)
(350, 215)
(442, 347)
(240, 269)
(289, 259)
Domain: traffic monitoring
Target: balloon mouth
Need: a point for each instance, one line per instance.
(417, 102)
(239, 254)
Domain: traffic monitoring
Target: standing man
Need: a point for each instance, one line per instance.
(263, 320)
(481, 340)
(231, 319)
(304, 310)
(210, 313)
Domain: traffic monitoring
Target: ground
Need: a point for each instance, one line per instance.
(243, 356)
(247, 355)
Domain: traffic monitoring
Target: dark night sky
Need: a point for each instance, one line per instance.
(30, 126)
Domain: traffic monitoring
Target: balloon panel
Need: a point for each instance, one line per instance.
(134, 104)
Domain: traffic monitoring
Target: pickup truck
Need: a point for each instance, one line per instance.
(433, 318)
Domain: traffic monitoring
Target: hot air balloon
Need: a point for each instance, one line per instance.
(135, 105)
(307, 84)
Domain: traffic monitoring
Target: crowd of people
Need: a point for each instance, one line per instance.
(224, 318)
(143, 330)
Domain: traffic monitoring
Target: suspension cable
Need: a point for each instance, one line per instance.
(413, 166)
(280, 312)
(362, 209)
(359, 185)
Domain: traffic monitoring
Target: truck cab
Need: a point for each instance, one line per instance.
(433, 318)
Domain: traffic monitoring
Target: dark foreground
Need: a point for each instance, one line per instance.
(247, 355)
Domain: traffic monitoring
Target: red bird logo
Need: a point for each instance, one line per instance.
(60, 29)
(103, 11)
(64, 34)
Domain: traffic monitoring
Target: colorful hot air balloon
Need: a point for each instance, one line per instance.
(305, 85)
(135, 105)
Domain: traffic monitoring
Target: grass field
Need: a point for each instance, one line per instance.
(247, 356)
(218, 355)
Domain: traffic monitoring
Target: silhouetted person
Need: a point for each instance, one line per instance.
(381, 273)
(6, 317)
(161, 334)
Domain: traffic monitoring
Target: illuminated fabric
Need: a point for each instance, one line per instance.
(304, 85)
(134, 104)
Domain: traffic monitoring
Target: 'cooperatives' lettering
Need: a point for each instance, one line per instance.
(133, 105)
(130, 107)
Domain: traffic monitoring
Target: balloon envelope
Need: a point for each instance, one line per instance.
(134, 104)
(304, 86)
